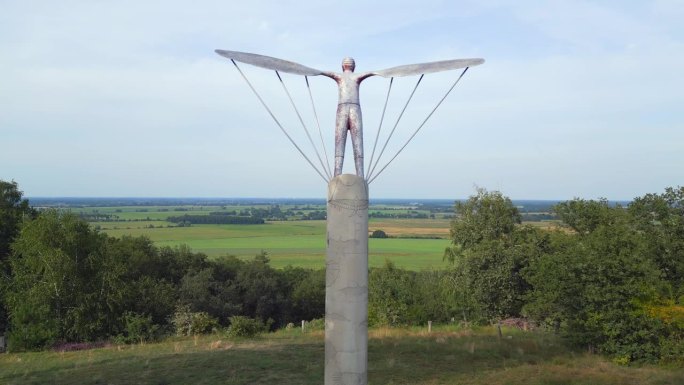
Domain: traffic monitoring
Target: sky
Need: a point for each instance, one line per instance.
(128, 99)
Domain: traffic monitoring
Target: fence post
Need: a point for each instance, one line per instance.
(303, 326)
(429, 326)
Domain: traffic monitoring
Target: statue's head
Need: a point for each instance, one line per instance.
(348, 64)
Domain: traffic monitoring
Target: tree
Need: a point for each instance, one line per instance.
(72, 283)
(584, 216)
(434, 298)
(210, 291)
(378, 234)
(52, 294)
(485, 216)
(13, 209)
(661, 218)
(592, 285)
(489, 252)
(263, 292)
(308, 295)
(390, 294)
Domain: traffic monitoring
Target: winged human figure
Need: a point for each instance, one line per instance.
(348, 116)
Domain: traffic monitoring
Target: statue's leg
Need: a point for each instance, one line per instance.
(356, 128)
(341, 122)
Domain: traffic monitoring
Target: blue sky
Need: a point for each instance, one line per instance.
(127, 98)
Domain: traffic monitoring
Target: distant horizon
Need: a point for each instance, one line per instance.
(219, 198)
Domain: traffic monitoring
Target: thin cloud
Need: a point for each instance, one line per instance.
(128, 98)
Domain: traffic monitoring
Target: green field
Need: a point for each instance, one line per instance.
(297, 243)
(448, 355)
(414, 244)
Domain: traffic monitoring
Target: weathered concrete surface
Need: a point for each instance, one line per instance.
(346, 293)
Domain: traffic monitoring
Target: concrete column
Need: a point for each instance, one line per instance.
(346, 292)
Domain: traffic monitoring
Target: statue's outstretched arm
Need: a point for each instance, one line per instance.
(366, 75)
(332, 75)
(269, 63)
(424, 68)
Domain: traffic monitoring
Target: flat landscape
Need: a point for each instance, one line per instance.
(417, 233)
(413, 243)
(297, 243)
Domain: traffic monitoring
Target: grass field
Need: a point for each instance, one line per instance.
(297, 243)
(448, 355)
(415, 244)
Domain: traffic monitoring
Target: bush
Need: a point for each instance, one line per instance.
(378, 234)
(315, 324)
(241, 326)
(138, 328)
(190, 323)
(390, 294)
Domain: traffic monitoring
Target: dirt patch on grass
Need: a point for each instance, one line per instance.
(400, 231)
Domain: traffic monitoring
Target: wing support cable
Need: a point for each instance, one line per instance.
(377, 136)
(276, 121)
(419, 127)
(395, 126)
(318, 123)
(303, 125)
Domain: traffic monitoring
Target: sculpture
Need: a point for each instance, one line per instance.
(346, 294)
(348, 116)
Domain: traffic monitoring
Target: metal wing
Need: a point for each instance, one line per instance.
(424, 68)
(269, 63)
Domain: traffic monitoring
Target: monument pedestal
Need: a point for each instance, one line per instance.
(346, 292)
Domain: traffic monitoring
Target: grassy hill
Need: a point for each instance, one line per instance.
(448, 355)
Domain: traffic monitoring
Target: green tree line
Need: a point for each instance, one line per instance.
(213, 219)
(610, 279)
(71, 283)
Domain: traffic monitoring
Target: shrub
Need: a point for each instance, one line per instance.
(137, 328)
(189, 323)
(378, 234)
(241, 326)
(315, 324)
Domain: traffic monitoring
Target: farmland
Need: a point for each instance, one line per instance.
(297, 243)
(418, 232)
(415, 243)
